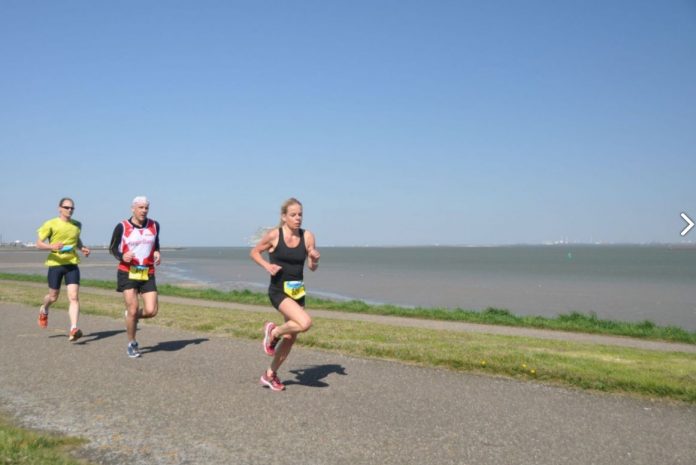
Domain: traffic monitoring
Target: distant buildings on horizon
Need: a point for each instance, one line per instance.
(18, 244)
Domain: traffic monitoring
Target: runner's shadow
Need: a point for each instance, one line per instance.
(312, 376)
(172, 346)
(92, 337)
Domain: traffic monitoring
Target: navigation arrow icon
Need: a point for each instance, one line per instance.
(689, 224)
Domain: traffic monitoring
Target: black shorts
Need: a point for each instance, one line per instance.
(277, 296)
(123, 282)
(71, 273)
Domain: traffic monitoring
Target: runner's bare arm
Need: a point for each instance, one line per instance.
(312, 253)
(267, 243)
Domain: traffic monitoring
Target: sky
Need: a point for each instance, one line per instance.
(395, 122)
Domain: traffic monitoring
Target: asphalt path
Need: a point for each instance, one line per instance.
(194, 398)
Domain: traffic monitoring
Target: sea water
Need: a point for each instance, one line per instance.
(630, 283)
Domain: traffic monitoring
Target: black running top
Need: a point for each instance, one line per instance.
(291, 260)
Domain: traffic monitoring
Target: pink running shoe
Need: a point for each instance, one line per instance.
(75, 334)
(269, 342)
(272, 382)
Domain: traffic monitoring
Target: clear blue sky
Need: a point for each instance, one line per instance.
(395, 122)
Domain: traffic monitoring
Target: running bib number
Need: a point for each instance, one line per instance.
(138, 273)
(294, 289)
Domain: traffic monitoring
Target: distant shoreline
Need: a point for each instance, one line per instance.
(617, 283)
(671, 245)
(12, 248)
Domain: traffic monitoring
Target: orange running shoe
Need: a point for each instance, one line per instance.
(75, 334)
(43, 318)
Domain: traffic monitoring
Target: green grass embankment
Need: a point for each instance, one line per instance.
(19, 446)
(575, 322)
(655, 374)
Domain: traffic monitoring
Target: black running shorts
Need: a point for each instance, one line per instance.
(123, 282)
(277, 296)
(71, 273)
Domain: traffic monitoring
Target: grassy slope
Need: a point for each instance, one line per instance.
(577, 322)
(19, 446)
(588, 366)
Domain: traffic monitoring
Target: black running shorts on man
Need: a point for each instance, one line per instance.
(56, 274)
(123, 282)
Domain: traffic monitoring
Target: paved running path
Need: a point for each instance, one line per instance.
(193, 398)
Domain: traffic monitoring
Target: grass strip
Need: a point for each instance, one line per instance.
(19, 446)
(575, 321)
(670, 375)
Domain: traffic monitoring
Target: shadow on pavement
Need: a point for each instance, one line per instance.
(91, 337)
(172, 346)
(312, 376)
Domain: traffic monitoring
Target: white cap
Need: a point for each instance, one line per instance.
(140, 199)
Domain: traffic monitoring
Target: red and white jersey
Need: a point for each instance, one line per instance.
(141, 243)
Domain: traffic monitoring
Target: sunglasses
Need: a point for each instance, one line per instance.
(68, 208)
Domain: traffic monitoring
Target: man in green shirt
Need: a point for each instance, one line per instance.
(61, 236)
